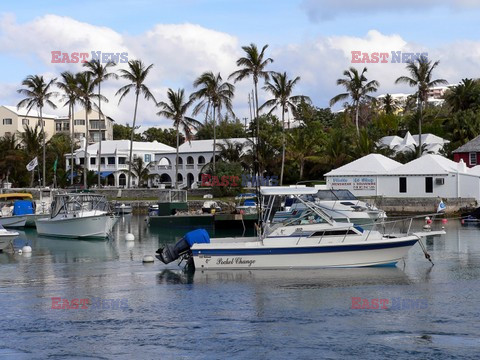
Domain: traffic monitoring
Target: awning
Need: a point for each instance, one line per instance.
(104, 174)
(69, 174)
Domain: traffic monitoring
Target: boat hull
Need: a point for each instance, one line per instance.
(380, 253)
(13, 221)
(97, 226)
(6, 238)
(32, 218)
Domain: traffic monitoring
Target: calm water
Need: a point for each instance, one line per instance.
(163, 313)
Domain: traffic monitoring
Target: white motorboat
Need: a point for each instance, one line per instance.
(246, 203)
(122, 208)
(6, 237)
(311, 240)
(341, 205)
(81, 215)
(15, 208)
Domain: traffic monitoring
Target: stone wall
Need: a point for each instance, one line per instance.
(400, 206)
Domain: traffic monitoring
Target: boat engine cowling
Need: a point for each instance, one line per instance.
(171, 252)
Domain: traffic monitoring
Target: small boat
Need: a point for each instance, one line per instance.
(246, 204)
(312, 240)
(210, 207)
(15, 209)
(6, 237)
(341, 205)
(78, 215)
(122, 208)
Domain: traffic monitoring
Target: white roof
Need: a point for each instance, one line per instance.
(23, 112)
(123, 146)
(287, 190)
(205, 145)
(390, 141)
(368, 165)
(430, 139)
(428, 164)
(475, 170)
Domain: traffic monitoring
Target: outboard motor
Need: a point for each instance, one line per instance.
(172, 252)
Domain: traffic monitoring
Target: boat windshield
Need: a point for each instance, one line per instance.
(335, 195)
(306, 217)
(77, 203)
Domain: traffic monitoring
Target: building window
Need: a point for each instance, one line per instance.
(102, 160)
(82, 161)
(79, 122)
(25, 122)
(403, 184)
(93, 161)
(473, 158)
(7, 121)
(66, 126)
(122, 160)
(111, 160)
(58, 127)
(429, 184)
(148, 158)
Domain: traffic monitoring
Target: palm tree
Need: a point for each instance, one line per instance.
(464, 96)
(137, 73)
(175, 110)
(357, 87)
(31, 139)
(100, 73)
(233, 152)
(38, 94)
(9, 155)
(253, 65)
(141, 170)
(281, 89)
(421, 77)
(214, 93)
(86, 92)
(69, 86)
(389, 104)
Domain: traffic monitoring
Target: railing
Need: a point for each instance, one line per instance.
(164, 167)
(122, 166)
(190, 166)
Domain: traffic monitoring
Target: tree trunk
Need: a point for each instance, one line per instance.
(72, 144)
(131, 141)
(176, 160)
(99, 159)
(283, 145)
(357, 108)
(214, 138)
(85, 158)
(43, 140)
(419, 152)
(302, 164)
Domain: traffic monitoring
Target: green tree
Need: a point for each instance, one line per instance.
(38, 94)
(31, 140)
(253, 64)
(124, 132)
(175, 110)
(137, 73)
(281, 88)
(87, 95)
(164, 136)
(421, 77)
(141, 170)
(10, 156)
(464, 96)
(357, 87)
(100, 73)
(225, 129)
(69, 86)
(214, 93)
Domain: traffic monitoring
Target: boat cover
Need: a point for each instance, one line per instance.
(23, 207)
(199, 236)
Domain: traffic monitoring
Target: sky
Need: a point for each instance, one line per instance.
(312, 39)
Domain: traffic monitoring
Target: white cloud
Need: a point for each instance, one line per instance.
(320, 10)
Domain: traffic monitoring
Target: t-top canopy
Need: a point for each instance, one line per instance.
(287, 190)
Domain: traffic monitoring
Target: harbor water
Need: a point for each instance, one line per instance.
(154, 311)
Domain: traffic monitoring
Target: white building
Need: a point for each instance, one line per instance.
(161, 158)
(428, 176)
(95, 125)
(433, 143)
(193, 156)
(114, 158)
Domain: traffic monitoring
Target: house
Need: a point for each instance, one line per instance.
(193, 156)
(428, 176)
(468, 152)
(14, 120)
(433, 143)
(62, 125)
(114, 158)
